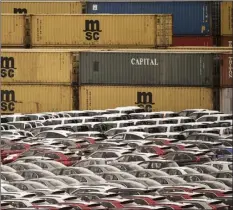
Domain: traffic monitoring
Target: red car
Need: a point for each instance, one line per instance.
(178, 196)
(16, 148)
(148, 199)
(30, 152)
(216, 193)
(157, 149)
(66, 158)
(117, 203)
(85, 206)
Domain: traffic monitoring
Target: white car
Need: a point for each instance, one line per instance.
(110, 133)
(176, 171)
(220, 165)
(215, 118)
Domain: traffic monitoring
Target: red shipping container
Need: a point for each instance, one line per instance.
(192, 41)
(226, 79)
(226, 41)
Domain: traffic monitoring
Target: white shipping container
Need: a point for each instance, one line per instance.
(226, 100)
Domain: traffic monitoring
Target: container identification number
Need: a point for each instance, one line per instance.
(230, 66)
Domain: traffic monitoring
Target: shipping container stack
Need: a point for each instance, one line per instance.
(120, 54)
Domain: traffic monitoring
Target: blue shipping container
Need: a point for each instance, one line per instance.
(189, 18)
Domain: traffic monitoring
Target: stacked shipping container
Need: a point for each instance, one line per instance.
(36, 81)
(226, 84)
(226, 26)
(135, 31)
(194, 21)
(54, 79)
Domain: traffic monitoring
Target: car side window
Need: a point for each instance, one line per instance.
(110, 155)
(174, 172)
(132, 158)
(156, 165)
(18, 167)
(17, 147)
(68, 172)
(191, 137)
(110, 177)
(54, 135)
(52, 156)
(123, 158)
(133, 137)
(210, 195)
(108, 205)
(186, 157)
(162, 181)
(143, 174)
(97, 155)
(119, 136)
(140, 202)
(42, 165)
(22, 187)
(111, 133)
(145, 164)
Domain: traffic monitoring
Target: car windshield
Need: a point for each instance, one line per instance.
(110, 125)
(18, 125)
(9, 189)
(22, 119)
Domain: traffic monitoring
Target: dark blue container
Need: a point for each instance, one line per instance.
(189, 18)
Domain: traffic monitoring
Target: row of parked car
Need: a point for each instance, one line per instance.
(122, 158)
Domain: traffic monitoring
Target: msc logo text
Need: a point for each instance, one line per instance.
(20, 11)
(145, 100)
(7, 67)
(92, 30)
(8, 100)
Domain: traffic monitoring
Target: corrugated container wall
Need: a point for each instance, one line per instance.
(155, 98)
(226, 100)
(101, 30)
(226, 18)
(226, 70)
(13, 30)
(38, 7)
(189, 18)
(25, 66)
(167, 69)
(192, 41)
(35, 98)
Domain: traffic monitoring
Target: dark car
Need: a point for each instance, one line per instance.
(183, 158)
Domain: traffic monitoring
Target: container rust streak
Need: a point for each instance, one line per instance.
(101, 30)
(12, 30)
(155, 98)
(35, 98)
(42, 7)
